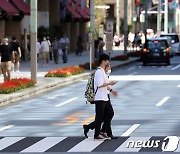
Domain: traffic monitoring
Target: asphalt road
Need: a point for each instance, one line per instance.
(147, 106)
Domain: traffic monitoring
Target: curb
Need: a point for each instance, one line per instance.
(32, 91)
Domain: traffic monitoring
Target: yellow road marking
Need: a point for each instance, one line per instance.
(88, 120)
(71, 119)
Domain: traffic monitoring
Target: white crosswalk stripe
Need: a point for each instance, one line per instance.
(44, 144)
(7, 141)
(82, 146)
(123, 147)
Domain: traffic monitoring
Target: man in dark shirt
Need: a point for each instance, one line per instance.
(17, 53)
(7, 55)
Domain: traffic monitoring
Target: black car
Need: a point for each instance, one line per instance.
(156, 50)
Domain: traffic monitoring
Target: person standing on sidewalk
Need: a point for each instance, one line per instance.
(50, 48)
(101, 100)
(64, 42)
(38, 49)
(45, 51)
(108, 115)
(55, 47)
(79, 45)
(101, 46)
(17, 53)
(7, 55)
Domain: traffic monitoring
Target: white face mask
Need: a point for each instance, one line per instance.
(108, 72)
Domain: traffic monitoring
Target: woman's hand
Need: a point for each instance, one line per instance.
(114, 93)
(112, 83)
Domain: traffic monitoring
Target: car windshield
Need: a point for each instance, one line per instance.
(157, 44)
(173, 37)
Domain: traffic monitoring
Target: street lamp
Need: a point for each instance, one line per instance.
(33, 40)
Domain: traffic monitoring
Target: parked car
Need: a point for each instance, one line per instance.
(156, 50)
(174, 41)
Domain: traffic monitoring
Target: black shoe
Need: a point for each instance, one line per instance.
(113, 137)
(86, 130)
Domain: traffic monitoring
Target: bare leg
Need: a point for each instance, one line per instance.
(4, 74)
(8, 75)
(12, 66)
(17, 66)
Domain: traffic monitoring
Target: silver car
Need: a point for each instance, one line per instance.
(175, 44)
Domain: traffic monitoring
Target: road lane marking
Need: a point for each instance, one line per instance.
(7, 141)
(44, 144)
(162, 101)
(123, 146)
(131, 68)
(6, 127)
(130, 130)
(145, 77)
(176, 67)
(87, 121)
(178, 86)
(132, 74)
(66, 102)
(87, 145)
(71, 119)
(57, 95)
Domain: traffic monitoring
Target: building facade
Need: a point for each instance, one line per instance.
(72, 15)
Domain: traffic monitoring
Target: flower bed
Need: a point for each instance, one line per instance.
(134, 54)
(121, 57)
(86, 66)
(65, 72)
(15, 85)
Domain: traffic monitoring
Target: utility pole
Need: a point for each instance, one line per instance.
(117, 17)
(91, 36)
(159, 18)
(33, 40)
(125, 27)
(146, 17)
(166, 17)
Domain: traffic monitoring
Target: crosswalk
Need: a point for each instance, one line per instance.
(81, 144)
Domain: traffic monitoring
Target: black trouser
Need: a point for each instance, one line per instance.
(104, 113)
(56, 55)
(64, 56)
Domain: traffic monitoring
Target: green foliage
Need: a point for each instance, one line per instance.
(56, 31)
(42, 31)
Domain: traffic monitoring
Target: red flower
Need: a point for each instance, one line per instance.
(66, 71)
(15, 84)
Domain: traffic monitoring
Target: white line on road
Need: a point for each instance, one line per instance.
(6, 127)
(178, 86)
(176, 67)
(162, 101)
(66, 102)
(145, 77)
(130, 130)
(57, 95)
(132, 74)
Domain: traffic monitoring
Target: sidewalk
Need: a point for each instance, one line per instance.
(45, 84)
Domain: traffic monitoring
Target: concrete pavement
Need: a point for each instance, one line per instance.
(45, 84)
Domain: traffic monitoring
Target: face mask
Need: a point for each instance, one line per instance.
(108, 72)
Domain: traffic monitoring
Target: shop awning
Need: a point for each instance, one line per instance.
(21, 6)
(82, 12)
(87, 10)
(8, 7)
(73, 11)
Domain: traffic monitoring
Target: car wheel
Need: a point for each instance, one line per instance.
(144, 63)
(168, 62)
